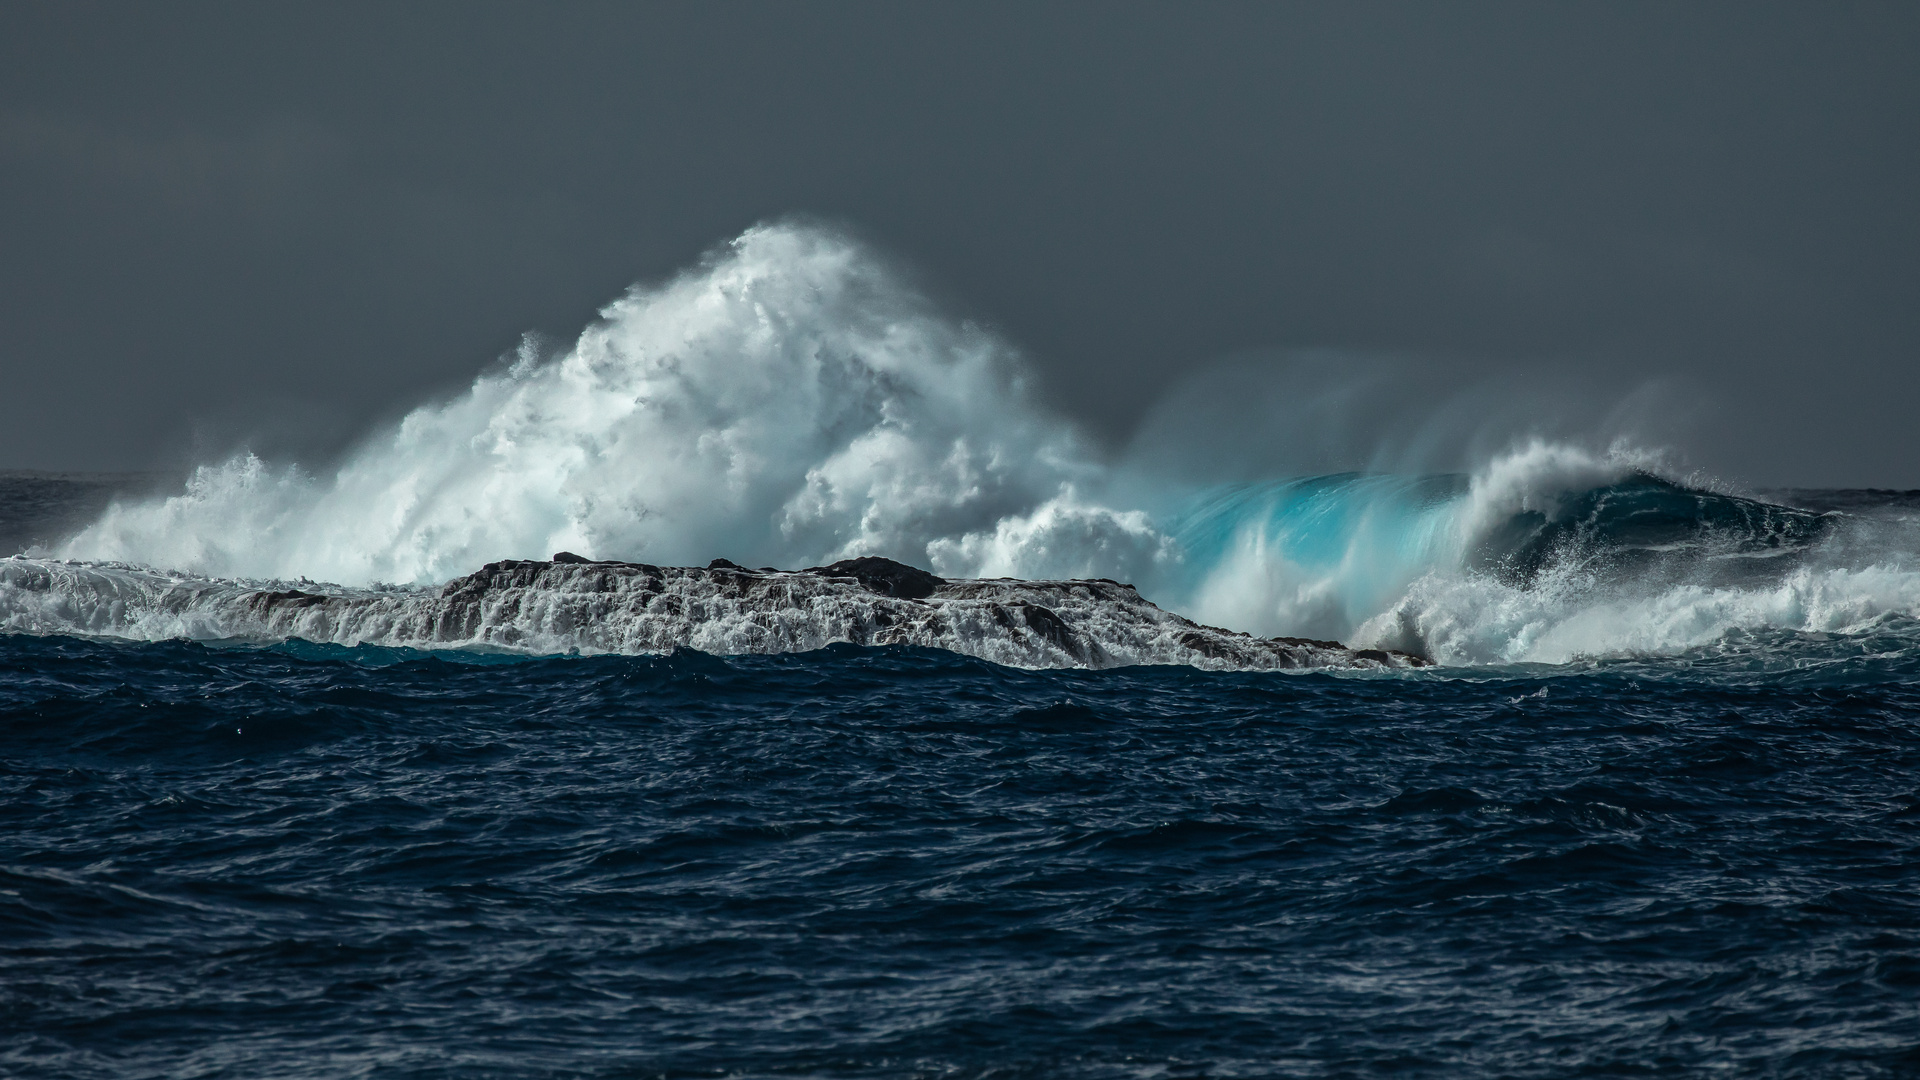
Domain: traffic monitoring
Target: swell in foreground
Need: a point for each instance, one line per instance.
(304, 861)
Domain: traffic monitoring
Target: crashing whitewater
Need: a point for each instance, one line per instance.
(791, 403)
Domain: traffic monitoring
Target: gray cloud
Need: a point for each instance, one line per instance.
(275, 225)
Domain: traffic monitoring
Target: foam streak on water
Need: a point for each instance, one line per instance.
(577, 607)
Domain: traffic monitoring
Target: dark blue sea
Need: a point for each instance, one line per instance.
(319, 861)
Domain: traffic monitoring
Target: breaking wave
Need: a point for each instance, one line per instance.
(788, 403)
(791, 402)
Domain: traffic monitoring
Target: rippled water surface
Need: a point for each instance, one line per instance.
(297, 861)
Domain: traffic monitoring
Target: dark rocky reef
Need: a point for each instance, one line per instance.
(884, 576)
(571, 602)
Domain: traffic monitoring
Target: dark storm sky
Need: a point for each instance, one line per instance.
(278, 224)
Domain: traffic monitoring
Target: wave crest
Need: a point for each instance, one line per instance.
(791, 402)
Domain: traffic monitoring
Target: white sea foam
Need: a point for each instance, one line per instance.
(791, 402)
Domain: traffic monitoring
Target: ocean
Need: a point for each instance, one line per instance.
(432, 762)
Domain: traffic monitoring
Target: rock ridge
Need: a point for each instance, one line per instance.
(573, 604)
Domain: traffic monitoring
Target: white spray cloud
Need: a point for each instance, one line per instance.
(788, 403)
(791, 402)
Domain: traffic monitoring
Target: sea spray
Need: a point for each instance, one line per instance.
(788, 403)
(792, 401)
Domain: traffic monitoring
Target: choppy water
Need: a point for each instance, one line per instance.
(305, 861)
